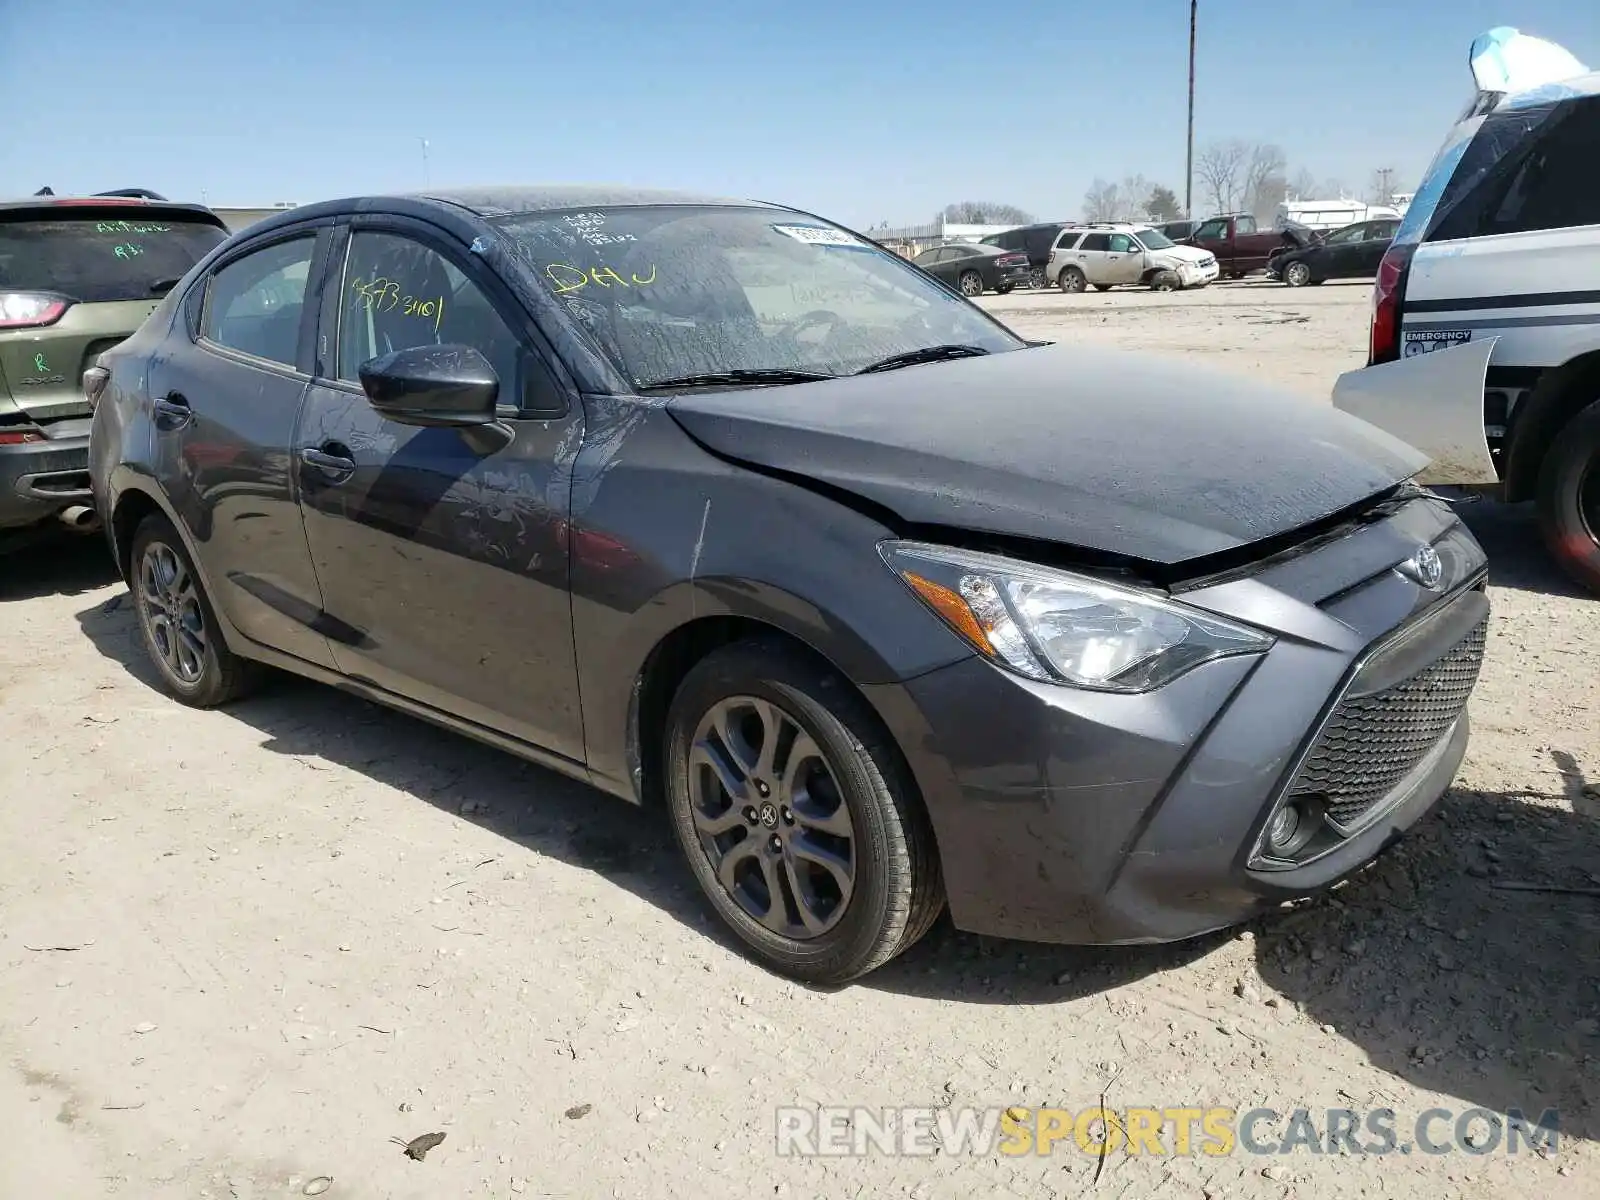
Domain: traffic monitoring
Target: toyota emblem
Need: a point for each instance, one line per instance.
(1424, 567)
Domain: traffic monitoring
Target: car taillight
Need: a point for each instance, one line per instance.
(15, 437)
(94, 384)
(20, 310)
(1388, 294)
(1052, 255)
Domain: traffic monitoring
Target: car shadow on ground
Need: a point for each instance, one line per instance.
(68, 564)
(1464, 962)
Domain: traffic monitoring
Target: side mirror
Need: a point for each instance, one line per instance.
(451, 386)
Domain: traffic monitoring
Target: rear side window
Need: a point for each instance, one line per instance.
(101, 257)
(1525, 170)
(253, 305)
(1096, 241)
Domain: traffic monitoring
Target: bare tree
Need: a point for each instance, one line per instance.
(1333, 188)
(1383, 185)
(985, 212)
(1264, 186)
(1302, 185)
(1220, 167)
(1102, 201)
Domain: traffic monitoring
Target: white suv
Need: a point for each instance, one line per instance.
(1485, 341)
(1107, 255)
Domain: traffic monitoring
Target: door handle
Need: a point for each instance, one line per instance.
(332, 465)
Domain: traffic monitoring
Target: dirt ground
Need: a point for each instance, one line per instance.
(243, 950)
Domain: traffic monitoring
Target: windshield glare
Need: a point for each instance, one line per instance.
(1154, 239)
(668, 292)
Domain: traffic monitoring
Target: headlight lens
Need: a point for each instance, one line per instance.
(1064, 628)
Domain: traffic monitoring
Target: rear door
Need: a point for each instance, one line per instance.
(227, 397)
(110, 265)
(443, 559)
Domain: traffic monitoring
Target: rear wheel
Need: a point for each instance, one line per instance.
(1569, 497)
(1003, 290)
(1164, 281)
(797, 815)
(1071, 279)
(178, 623)
(1036, 277)
(971, 283)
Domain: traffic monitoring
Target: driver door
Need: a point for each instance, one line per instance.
(443, 559)
(1124, 260)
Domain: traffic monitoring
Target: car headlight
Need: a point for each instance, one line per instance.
(1059, 627)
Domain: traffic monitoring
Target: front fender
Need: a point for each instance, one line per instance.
(1433, 401)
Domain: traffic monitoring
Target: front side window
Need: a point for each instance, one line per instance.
(1213, 230)
(1121, 243)
(669, 292)
(398, 294)
(98, 255)
(1350, 233)
(254, 304)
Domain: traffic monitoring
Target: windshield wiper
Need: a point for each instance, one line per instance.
(162, 286)
(752, 375)
(927, 354)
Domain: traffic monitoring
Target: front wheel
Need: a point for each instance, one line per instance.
(1102, 287)
(178, 623)
(797, 815)
(971, 283)
(1071, 280)
(1569, 497)
(1296, 274)
(1164, 281)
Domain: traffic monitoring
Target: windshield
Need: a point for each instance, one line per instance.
(674, 291)
(101, 257)
(1154, 239)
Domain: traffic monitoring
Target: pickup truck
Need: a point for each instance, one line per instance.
(1238, 246)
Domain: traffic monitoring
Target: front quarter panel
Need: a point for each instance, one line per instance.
(663, 534)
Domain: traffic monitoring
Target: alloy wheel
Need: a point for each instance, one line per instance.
(771, 818)
(1036, 277)
(971, 284)
(1297, 274)
(170, 606)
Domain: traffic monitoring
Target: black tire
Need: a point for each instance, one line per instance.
(1296, 274)
(1165, 281)
(178, 624)
(1003, 290)
(970, 283)
(1071, 280)
(897, 890)
(1102, 287)
(1569, 497)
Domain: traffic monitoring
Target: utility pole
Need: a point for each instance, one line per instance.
(1188, 173)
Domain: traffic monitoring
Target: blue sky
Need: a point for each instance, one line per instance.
(863, 112)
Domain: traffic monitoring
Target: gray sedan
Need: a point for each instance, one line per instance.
(715, 505)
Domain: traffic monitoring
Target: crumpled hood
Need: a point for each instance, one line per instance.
(1181, 254)
(1125, 454)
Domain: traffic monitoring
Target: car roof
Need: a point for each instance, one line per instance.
(45, 205)
(507, 201)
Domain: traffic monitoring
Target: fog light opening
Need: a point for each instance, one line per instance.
(1291, 827)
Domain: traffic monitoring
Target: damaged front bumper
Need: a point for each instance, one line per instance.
(1080, 817)
(1434, 401)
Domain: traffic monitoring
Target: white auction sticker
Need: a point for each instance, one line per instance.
(817, 235)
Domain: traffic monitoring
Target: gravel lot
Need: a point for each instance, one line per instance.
(241, 950)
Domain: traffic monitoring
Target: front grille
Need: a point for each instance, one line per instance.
(1371, 743)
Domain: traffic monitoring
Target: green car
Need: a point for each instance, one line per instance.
(77, 276)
